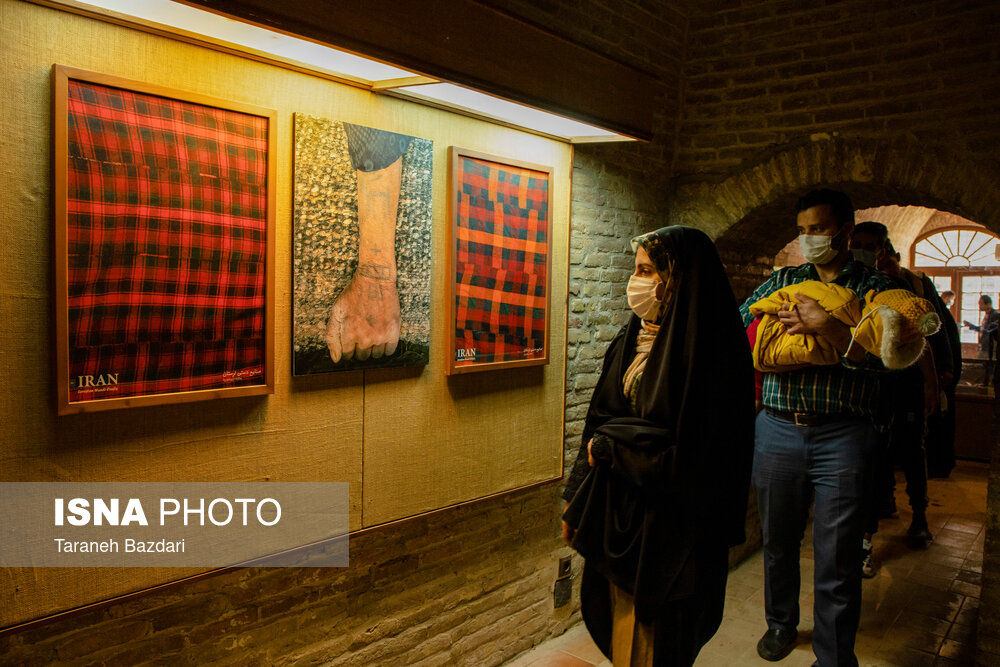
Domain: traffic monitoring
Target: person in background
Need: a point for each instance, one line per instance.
(940, 440)
(814, 439)
(867, 246)
(987, 329)
(865, 249)
(914, 392)
(659, 490)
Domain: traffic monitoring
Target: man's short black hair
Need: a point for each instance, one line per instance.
(839, 203)
(875, 229)
(987, 299)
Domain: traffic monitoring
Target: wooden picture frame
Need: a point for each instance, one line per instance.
(164, 207)
(500, 262)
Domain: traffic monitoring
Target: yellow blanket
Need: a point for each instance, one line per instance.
(891, 325)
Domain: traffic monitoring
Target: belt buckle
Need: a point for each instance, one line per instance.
(804, 415)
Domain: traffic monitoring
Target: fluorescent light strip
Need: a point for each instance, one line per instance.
(509, 112)
(229, 30)
(326, 59)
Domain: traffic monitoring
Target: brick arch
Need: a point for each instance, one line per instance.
(748, 212)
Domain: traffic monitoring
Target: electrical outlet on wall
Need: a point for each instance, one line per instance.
(563, 591)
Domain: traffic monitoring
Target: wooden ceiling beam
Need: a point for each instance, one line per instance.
(470, 44)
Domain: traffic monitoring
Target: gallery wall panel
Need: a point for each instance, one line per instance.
(467, 436)
(375, 429)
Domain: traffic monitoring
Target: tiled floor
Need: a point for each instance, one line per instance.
(920, 609)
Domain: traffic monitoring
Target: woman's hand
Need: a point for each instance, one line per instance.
(590, 455)
(568, 533)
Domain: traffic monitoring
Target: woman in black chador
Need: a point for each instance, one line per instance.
(659, 489)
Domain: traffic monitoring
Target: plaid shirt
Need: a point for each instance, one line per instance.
(844, 387)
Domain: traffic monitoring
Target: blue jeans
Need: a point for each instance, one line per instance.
(792, 464)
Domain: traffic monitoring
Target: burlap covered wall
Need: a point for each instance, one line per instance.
(408, 440)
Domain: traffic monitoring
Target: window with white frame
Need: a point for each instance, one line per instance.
(964, 260)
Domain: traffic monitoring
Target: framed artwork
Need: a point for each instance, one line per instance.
(164, 243)
(500, 242)
(362, 249)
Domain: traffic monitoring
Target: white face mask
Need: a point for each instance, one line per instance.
(816, 248)
(642, 297)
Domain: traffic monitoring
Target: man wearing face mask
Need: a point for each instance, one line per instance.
(814, 439)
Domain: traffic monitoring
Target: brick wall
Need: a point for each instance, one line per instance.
(471, 585)
(761, 74)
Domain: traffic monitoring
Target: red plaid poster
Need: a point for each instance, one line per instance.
(166, 245)
(500, 246)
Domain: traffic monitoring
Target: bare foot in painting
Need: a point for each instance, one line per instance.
(364, 322)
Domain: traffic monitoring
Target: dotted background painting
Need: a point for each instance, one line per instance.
(326, 245)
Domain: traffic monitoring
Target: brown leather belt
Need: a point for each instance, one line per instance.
(810, 418)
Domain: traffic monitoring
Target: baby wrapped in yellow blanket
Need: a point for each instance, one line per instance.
(891, 325)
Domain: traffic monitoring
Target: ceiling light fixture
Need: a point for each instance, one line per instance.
(214, 29)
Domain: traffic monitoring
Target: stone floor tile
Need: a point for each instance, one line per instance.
(936, 570)
(963, 525)
(940, 557)
(563, 659)
(964, 652)
(970, 590)
(918, 621)
(582, 647)
(973, 566)
(902, 657)
(968, 617)
(948, 662)
(962, 633)
(970, 577)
